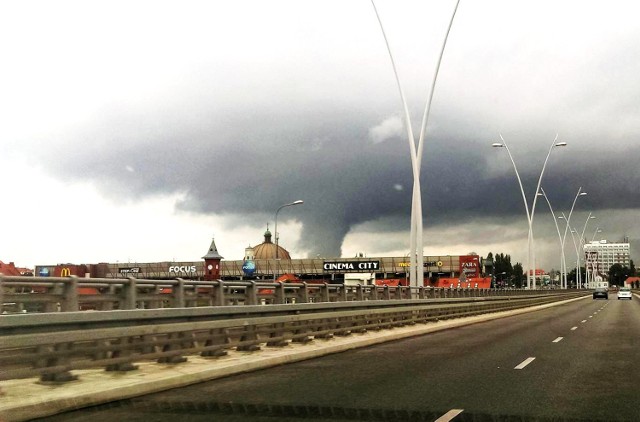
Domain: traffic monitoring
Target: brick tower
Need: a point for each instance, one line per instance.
(212, 263)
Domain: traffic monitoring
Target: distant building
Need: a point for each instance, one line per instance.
(269, 250)
(601, 255)
(266, 261)
(11, 270)
(633, 282)
(541, 276)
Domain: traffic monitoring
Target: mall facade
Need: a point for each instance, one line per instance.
(268, 261)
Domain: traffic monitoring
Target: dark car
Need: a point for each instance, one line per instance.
(601, 292)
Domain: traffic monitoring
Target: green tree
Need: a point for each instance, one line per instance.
(571, 276)
(618, 274)
(502, 268)
(518, 274)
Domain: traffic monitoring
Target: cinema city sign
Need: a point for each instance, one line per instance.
(351, 265)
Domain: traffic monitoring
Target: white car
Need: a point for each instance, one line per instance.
(624, 293)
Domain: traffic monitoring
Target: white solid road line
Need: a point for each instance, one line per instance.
(526, 362)
(449, 415)
(557, 340)
(574, 328)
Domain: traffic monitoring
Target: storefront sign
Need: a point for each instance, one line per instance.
(351, 265)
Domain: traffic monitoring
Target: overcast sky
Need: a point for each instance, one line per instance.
(138, 130)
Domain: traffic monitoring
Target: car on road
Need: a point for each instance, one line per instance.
(624, 293)
(601, 292)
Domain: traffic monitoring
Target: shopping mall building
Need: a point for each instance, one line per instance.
(268, 261)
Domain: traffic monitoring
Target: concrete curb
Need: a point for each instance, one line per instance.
(27, 399)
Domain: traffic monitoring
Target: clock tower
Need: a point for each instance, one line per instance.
(212, 263)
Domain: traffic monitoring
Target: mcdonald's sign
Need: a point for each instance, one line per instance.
(65, 272)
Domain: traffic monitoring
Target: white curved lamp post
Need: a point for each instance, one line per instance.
(575, 245)
(568, 221)
(554, 144)
(531, 262)
(416, 266)
(275, 229)
(583, 242)
(555, 220)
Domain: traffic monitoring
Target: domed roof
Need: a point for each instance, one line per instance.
(267, 249)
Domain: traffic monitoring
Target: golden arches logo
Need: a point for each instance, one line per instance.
(65, 272)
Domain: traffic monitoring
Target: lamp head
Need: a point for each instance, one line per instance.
(560, 144)
(299, 201)
(583, 193)
(497, 145)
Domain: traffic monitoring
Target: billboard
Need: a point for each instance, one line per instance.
(470, 266)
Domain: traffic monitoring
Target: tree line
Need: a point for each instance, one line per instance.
(507, 275)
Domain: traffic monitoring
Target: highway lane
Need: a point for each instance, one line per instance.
(574, 362)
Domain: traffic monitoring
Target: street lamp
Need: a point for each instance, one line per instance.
(583, 241)
(575, 245)
(568, 220)
(555, 220)
(590, 217)
(416, 266)
(598, 230)
(596, 265)
(298, 202)
(531, 255)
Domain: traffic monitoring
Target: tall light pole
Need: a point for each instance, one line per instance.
(530, 255)
(568, 220)
(554, 144)
(298, 202)
(555, 220)
(583, 241)
(416, 266)
(598, 230)
(575, 245)
(584, 228)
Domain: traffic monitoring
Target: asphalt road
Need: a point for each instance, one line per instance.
(578, 361)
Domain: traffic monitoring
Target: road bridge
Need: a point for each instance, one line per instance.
(570, 362)
(194, 370)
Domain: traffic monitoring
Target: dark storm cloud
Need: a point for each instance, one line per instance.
(266, 125)
(248, 166)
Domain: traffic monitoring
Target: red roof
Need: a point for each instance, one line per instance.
(9, 269)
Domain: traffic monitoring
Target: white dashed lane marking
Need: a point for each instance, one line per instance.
(449, 415)
(574, 328)
(526, 362)
(559, 339)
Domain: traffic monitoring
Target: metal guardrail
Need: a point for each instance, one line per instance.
(68, 294)
(50, 346)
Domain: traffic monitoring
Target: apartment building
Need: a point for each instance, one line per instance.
(601, 255)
